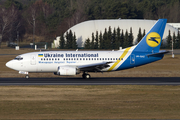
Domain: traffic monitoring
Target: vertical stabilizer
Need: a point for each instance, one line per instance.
(151, 42)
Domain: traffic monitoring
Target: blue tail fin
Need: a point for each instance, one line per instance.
(151, 42)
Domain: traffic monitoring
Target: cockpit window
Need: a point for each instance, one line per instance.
(18, 58)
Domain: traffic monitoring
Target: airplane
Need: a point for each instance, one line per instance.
(66, 63)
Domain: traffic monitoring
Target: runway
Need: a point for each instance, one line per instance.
(92, 81)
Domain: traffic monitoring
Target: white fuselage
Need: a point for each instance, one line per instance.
(48, 61)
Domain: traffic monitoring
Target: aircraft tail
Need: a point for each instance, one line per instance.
(151, 42)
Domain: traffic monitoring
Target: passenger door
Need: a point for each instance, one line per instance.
(33, 60)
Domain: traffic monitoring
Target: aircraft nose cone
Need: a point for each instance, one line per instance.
(9, 64)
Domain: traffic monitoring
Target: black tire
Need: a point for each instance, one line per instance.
(27, 76)
(86, 76)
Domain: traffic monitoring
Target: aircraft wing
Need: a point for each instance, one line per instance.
(97, 67)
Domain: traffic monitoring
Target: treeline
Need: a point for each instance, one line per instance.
(114, 39)
(49, 18)
(68, 41)
(172, 39)
(109, 39)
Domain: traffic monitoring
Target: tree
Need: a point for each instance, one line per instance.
(92, 41)
(62, 42)
(87, 44)
(108, 42)
(41, 18)
(74, 43)
(101, 43)
(96, 46)
(130, 37)
(178, 40)
(126, 40)
(9, 3)
(169, 38)
(70, 40)
(114, 39)
(139, 36)
(67, 40)
(144, 33)
(10, 23)
(105, 38)
(122, 39)
(118, 38)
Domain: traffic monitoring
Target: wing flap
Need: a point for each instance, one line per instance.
(97, 67)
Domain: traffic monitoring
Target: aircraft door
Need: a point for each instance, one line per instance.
(33, 60)
(132, 59)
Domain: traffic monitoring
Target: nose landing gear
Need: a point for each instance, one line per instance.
(27, 76)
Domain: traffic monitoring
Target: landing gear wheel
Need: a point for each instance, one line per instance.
(86, 76)
(27, 76)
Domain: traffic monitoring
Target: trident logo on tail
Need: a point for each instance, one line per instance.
(153, 39)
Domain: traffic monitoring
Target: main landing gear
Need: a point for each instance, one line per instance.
(86, 76)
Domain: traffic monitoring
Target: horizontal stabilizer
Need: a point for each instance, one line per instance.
(157, 54)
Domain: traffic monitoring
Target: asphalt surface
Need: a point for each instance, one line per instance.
(92, 81)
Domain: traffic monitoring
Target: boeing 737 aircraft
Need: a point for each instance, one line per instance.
(75, 62)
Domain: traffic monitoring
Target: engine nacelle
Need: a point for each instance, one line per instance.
(66, 70)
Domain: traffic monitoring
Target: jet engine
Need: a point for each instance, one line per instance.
(66, 70)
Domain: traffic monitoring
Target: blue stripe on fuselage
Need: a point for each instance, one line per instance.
(140, 59)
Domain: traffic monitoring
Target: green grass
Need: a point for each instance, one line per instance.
(90, 102)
